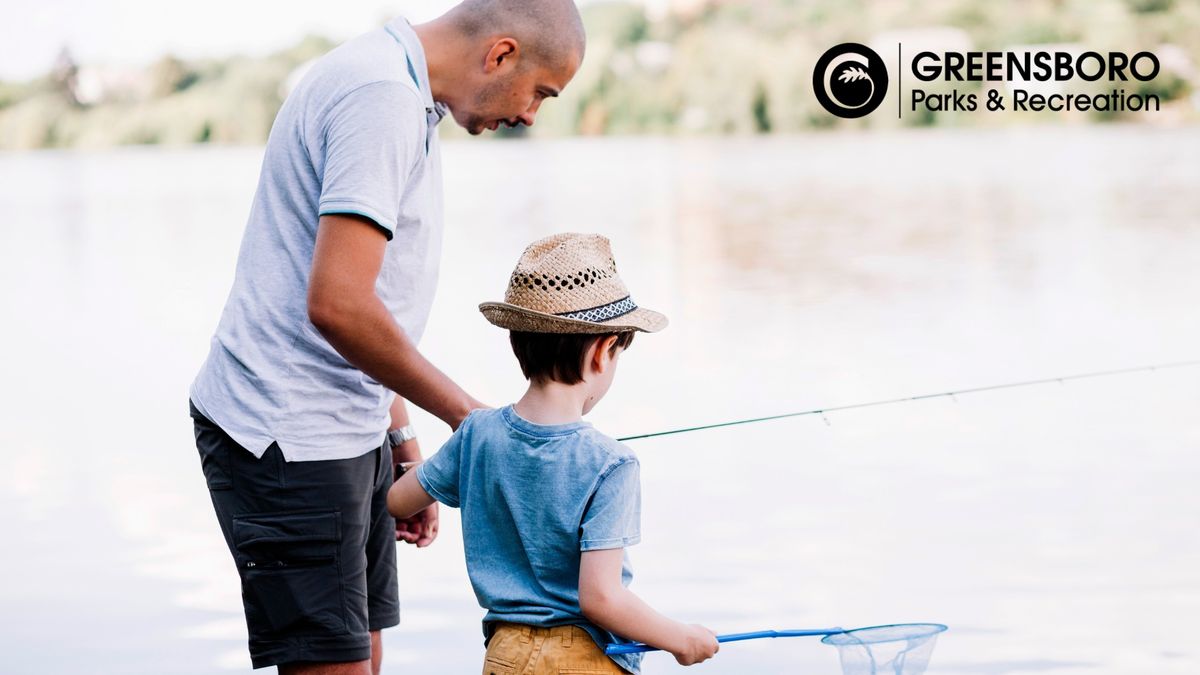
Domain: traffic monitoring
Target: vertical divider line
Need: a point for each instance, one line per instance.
(899, 78)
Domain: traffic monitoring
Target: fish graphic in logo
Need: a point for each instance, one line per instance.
(850, 80)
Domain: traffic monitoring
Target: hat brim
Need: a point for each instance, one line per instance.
(517, 318)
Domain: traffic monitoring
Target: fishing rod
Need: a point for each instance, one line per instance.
(920, 397)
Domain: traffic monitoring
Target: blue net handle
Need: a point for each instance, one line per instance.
(635, 647)
(832, 636)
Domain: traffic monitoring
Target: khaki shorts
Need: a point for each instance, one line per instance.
(517, 649)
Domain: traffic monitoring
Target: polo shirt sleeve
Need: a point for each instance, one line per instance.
(374, 138)
(439, 475)
(613, 517)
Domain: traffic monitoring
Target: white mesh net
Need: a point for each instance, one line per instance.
(903, 649)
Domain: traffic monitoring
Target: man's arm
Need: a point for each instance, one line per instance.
(344, 308)
(608, 604)
(410, 450)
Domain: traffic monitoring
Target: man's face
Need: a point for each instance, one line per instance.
(511, 93)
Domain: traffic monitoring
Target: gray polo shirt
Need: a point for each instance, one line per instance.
(357, 135)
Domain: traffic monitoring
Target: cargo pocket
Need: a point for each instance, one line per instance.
(493, 666)
(291, 574)
(504, 649)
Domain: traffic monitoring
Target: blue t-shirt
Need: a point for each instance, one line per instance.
(533, 497)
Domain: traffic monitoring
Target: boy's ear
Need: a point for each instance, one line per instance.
(601, 352)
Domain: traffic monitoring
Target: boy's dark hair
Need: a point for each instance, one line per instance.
(558, 357)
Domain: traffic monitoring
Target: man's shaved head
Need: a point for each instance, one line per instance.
(549, 30)
(494, 62)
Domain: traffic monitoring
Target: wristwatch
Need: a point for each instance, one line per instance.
(398, 437)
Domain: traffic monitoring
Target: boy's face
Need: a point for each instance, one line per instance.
(600, 368)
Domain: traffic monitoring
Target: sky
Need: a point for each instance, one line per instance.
(135, 32)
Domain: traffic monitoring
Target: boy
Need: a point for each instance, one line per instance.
(549, 503)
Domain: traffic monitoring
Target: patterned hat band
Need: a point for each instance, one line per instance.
(602, 313)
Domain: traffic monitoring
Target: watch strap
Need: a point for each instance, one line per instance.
(397, 437)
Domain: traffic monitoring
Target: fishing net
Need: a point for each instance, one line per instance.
(902, 649)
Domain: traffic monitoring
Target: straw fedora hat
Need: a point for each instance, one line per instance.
(568, 283)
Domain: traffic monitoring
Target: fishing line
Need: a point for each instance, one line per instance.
(920, 397)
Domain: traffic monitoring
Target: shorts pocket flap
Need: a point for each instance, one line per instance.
(291, 574)
(267, 528)
(492, 666)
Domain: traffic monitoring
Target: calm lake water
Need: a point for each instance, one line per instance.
(1054, 528)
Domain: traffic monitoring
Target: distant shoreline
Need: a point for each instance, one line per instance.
(643, 75)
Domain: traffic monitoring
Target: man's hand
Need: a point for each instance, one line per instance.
(420, 529)
(473, 404)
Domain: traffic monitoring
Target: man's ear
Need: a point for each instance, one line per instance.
(602, 354)
(505, 50)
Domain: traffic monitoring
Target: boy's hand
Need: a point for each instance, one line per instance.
(420, 529)
(699, 644)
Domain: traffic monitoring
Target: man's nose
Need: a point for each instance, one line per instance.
(526, 117)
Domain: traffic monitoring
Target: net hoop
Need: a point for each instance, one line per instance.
(896, 632)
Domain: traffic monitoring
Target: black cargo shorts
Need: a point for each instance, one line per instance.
(313, 543)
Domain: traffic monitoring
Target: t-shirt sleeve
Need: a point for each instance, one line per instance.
(613, 517)
(439, 475)
(372, 139)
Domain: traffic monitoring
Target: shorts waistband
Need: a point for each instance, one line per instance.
(566, 633)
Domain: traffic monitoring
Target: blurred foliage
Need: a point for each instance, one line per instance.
(746, 66)
(715, 67)
(176, 102)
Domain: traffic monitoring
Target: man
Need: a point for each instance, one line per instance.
(315, 352)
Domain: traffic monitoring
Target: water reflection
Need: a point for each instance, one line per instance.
(1044, 525)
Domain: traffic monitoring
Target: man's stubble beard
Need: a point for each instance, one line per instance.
(484, 100)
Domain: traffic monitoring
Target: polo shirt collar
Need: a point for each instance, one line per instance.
(400, 29)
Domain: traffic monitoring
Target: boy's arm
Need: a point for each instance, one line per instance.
(421, 527)
(406, 496)
(436, 478)
(608, 604)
